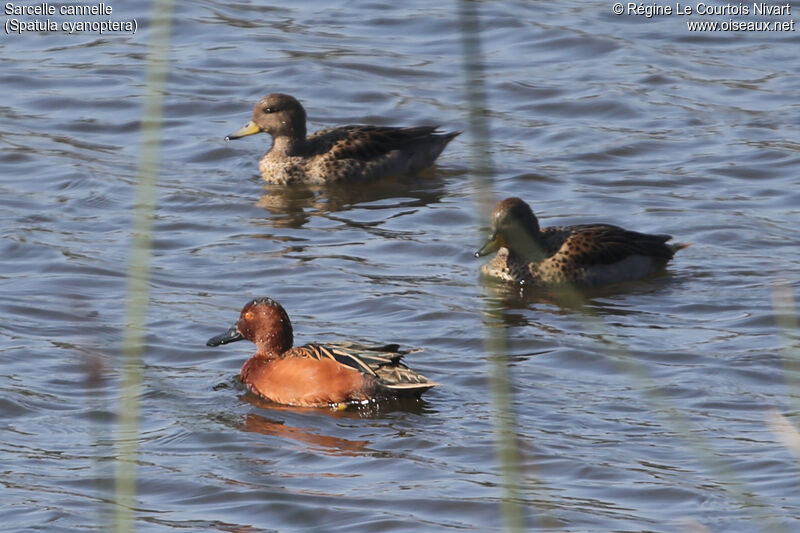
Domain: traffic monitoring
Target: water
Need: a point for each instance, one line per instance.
(650, 415)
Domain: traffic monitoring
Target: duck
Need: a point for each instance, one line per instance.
(316, 375)
(585, 255)
(341, 154)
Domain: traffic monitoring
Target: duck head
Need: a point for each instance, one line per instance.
(278, 114)
(264, 322)
(514, 226)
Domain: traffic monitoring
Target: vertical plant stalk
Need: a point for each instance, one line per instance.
(139, 267)
(787, 319)
(502, 396)
(786, 316)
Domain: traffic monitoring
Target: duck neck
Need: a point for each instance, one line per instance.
(267, 353)
(274, 345)
(527, 246)
(287, 146)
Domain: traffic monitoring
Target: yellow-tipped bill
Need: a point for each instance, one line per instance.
(492, 245)
(251, 128)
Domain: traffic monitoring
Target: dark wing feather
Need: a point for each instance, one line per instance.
(606, 244)
(344, 357)
(369, 142)
(381, 362)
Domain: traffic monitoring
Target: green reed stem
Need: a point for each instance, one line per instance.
(139, 267)
(501, 393)
(786, 318)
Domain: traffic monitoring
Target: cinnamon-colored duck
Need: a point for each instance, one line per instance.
(316, 375)
(344, 153)
(584, 255)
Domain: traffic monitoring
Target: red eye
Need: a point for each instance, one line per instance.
(249, 315)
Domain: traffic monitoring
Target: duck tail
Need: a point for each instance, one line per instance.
(450, 135)
(678, 246)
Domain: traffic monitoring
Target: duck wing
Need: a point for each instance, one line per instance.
(367, 143)
(603, 244)
(381, 362)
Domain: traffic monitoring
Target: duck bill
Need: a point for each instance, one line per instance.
(251, 128)
(232, 335)
(492, 245)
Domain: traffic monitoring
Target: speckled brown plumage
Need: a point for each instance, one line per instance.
(582, 255)
(316, 375)
(346, 153)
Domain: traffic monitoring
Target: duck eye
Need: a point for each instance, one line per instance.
(249, 315)
(269, 110)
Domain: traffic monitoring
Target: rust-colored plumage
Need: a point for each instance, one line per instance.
(316, 375)
(346, 153)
